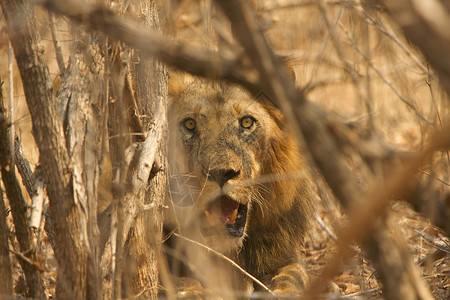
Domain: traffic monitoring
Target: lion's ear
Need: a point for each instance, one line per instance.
(178, 81)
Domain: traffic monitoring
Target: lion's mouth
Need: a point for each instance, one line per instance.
(231, 213)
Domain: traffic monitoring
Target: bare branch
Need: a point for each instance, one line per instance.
(364, 216)
(408, 103)
(223, 64)
(5, 261)
(37, 203)
(19, 208)
(426, 24)
(23, 166)
(6, 281)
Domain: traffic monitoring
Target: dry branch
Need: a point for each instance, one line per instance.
(226, 64)
(5, 261)
(19, 208)
(23, 166)
(24, 235)
(426, 24)
(364, 216)
(145, 159)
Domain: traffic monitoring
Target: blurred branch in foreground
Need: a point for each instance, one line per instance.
(426, 24)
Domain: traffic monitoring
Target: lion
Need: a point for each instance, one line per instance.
(252, 199)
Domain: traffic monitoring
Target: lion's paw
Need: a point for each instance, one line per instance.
(189, 288)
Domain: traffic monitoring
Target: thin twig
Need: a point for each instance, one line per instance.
(27, 260)
(234, 264)
(433, 241)
(382, 77)
(434, 177)
(394, 38)
(321, 55)
(325, 227)
(426, 23)
(278, 5)
(354, 75)
(433, 99)
(361, 293)
(368, 99)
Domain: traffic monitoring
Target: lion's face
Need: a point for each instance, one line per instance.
(226, 139)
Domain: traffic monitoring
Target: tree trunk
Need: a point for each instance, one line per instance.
(144, 240)
(85, 113)
(5, 261)
(70, 250)
(23, 233)
(19, 208)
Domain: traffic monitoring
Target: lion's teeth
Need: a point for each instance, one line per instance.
(232, 217)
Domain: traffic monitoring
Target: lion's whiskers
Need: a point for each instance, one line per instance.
(260, 199)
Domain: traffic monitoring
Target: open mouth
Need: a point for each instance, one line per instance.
(231, 213)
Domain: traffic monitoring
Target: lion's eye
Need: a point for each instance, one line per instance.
(190, 124)
(247, 122)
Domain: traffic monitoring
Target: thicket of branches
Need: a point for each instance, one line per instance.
(108, 105)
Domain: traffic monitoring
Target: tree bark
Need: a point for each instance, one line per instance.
(48, 132)
(82, 91)
(5, 261)
(23, 233)
(19, 209)
(151, 95)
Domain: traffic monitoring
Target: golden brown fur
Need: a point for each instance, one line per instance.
(240, 154)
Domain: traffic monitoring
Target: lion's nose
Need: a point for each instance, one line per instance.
(221, 176)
